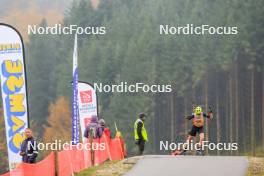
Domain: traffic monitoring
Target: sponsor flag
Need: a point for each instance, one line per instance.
(75, 115)
(87, 104)
(13, 88)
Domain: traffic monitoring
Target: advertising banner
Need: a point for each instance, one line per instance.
(13, 88)
(87, 104)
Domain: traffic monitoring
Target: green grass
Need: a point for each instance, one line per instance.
(88, 172)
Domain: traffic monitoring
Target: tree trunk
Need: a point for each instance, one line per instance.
(231, 112)
(218, 127)
(263, 108)
(158, 125)
(172, 117)
(227, 117)
(206, 105)
(185, 115)
(252, 113)
(154, 126)
(236, 105)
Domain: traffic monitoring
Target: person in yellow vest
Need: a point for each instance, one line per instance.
(140, 133)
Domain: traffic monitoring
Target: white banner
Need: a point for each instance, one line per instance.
(87, 104)
(13, 87)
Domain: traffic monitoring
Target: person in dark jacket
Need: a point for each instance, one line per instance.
(91, 133)
(104, 129)
(29, 148)
(140, 133)
(92, 130)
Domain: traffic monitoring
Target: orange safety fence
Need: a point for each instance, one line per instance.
(117, 149)
(46, 166)
(6, 174)
(65, 167)
(74, 160)
(101, 149)
(77, 158)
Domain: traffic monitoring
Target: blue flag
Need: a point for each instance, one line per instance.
(75, 114)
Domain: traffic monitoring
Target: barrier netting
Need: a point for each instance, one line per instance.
(46, 166)
(74, 159)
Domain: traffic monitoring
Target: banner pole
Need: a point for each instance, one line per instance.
(12, 56)
(120, 145)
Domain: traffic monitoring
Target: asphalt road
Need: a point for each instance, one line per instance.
(161, 165)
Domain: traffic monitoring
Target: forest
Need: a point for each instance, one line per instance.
(224, 72)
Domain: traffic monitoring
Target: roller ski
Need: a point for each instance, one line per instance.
(199, 152)
(179, 152)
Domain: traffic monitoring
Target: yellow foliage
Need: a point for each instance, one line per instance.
(118, 134)
(33, 14)
(59, 121)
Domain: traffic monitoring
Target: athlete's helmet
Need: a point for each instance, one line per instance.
(198, 110)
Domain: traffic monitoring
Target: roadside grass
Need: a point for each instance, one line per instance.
(256, 166)
(108, 168)
(92, 170)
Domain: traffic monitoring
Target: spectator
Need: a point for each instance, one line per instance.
(29, 148)
(92, 130)
(140, 133)
(104, 129)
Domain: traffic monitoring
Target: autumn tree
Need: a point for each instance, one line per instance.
(3, 148)
(59, 121)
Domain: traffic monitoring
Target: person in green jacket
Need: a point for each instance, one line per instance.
(140, 133)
